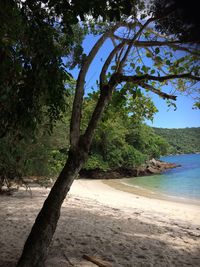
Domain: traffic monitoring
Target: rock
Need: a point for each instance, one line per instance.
(153, 170)
(153, 166)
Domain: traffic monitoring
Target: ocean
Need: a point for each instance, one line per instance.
(181, 182)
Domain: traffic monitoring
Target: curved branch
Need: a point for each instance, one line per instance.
(158, 92)
(132, 41)
(78, 98)
(108, 61)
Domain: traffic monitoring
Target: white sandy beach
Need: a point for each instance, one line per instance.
(121, 228)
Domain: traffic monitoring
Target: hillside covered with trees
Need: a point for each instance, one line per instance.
(182, 140)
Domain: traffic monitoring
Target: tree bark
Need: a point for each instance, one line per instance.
(36, 247)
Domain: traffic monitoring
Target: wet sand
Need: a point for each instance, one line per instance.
(119, 184)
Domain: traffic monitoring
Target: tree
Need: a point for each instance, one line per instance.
(34, 36)
(144, 139)
(183, 20)
(121, 139)
(181, 141)
(143, 59)
(32, 74)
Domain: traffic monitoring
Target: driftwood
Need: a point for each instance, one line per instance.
(97, 261)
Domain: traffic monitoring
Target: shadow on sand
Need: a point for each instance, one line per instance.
(121, 239)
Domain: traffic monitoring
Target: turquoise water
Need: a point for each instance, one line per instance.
(181, 182)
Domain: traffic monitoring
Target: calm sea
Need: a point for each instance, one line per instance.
(181, 182)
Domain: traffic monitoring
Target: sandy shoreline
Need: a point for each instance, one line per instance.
(123, 229)
(119, 184)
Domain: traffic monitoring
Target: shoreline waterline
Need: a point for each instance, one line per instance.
(121, 185)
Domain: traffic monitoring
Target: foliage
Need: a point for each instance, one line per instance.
(183, 18)
(181, 141)
(121, 139)
(34, 36)
(144, 139)
(42, 155)
(32, 74)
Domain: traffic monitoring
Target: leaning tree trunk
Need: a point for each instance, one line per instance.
(36, 247)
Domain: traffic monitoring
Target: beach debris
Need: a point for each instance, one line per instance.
(97, 261)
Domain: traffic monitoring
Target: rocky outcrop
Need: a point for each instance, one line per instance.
(156, 167)
(151, 167)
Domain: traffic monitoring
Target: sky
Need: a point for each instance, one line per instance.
(183, 116)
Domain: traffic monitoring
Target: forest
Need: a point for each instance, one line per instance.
(181, 140)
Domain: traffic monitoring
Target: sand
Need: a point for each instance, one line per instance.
(122, 228)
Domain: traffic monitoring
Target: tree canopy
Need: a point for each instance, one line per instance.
(34, 36)
(183, 20)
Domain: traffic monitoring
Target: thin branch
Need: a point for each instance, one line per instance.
(114, 44)
(108, 61)
(146, 43)
(132, 41)
(123, 78)
(172, 44)
(158, 92)
(165, 43)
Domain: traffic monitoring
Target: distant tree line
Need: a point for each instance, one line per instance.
(182, 140)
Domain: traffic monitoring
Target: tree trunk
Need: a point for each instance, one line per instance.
(36, 247)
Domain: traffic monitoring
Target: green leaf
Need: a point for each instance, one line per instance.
(157, 50)
(143, 16)
(132, 65)
(158, 59)
(138, 93)
(138, 70)
(145, 68)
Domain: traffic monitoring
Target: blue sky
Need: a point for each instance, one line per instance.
(184, 116)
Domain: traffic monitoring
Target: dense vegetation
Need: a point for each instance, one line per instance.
(186, 140)
(34, 37)
(121, 140)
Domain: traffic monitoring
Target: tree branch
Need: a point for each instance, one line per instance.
(105, 96)
(158, 92)
(108, 61)
(146, 43)
(132, 41)
(165, 43)
(136, 78)
(173, 44)
(78, 98)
